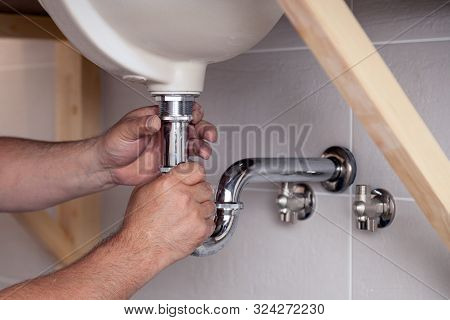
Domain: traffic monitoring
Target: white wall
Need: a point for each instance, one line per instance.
(324, 257)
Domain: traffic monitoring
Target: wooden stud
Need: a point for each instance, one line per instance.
(49, 232)
(78, 117)
(348, 56)
(27, 26)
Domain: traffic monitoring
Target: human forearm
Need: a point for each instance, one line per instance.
(114, 270)
(36, 175)
(164, 222)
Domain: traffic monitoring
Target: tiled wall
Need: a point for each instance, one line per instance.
(26, 110)
(278, 83)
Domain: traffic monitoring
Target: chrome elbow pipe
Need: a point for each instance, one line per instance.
(336, 170)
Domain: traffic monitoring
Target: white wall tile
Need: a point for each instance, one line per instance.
(283, 36)
(382, 20)
(377, 278)
(385, 20)
(402, 261)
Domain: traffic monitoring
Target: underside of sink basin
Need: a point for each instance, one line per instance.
(165, 44)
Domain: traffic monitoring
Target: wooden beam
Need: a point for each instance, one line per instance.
(26, 26)
(49, 232)
(78, 117)
(348, 56)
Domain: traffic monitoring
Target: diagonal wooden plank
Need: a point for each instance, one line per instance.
(348, 56)
(78, 117)
(26, 26)
(49, 232)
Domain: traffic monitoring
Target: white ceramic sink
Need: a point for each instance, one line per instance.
(165, 44)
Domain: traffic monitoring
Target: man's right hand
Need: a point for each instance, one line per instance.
(171, 216)
(165, 221)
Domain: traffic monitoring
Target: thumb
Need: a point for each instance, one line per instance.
(189, 173)
(135, 128)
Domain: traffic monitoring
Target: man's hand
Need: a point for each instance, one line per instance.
(165, 221)
(130, 150)
(168, 218)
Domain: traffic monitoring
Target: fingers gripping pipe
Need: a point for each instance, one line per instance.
(336, 169)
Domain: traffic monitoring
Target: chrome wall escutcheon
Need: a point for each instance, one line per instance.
(346, 169)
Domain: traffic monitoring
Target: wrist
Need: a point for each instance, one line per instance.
(150, 259)
(96, 167)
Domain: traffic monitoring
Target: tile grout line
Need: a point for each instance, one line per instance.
(350, 227)
(412, 41)
(406, 199)
(375, 43)
(328, 194)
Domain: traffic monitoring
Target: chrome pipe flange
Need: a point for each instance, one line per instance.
(345, 169)
(388, 206)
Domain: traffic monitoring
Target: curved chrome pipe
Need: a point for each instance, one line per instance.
(336, 170)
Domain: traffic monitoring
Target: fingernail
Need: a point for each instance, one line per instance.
(196, 116)
(209, 135)
(153, 123)
(204, 154)
(197, 106)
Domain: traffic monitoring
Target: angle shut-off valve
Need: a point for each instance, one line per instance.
(373, 209)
